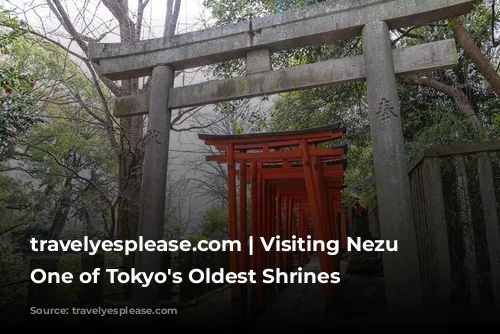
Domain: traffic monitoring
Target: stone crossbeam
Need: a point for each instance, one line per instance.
(310, 25)
(420, 58)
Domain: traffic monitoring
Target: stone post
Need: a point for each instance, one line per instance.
(154, 181)
(401, 268)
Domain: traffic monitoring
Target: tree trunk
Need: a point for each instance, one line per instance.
(461, 100)
(62, 212)
(472, 50)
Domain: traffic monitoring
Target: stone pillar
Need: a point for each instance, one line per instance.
(154, 181)
(401, 269)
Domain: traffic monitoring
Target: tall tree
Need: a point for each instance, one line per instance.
(68, 156)
(16, 93)
(126, 136)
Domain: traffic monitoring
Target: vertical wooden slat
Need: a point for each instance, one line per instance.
(468, 231)
(437, 223)
(425, 235)
(419, 230)
(491, 221)
(427, 230)
(415, 201)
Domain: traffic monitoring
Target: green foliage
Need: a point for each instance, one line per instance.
(446, 129)
(20, 204)
(225, 12)
(215, 223)
(69, 154)
(65, 162)
(360, 177)
(13, 268)
(197, 238)
(17, 85)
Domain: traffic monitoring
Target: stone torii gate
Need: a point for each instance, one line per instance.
(256, 40)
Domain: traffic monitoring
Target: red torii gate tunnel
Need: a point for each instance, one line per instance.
(295, 177)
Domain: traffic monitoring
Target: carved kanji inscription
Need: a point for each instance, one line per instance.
(385, 110)
(152, 135)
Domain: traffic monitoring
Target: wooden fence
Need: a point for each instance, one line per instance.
(455, 209)
(92, 295)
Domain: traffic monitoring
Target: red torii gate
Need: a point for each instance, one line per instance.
(287, 169)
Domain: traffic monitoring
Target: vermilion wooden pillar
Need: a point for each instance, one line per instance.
(254, 230)
(316, 209)
(243, 236)
(291, 222)
(264, 217)
(330, 230)
(286, 230)
(271, 211)
(272, 234)
(335, 228)
(322, 196)
(279, 234)
(279, 263)
(306, 233)
(302, 229)
(233, 224)
(264, 234)
(259, 249)
(269, 224)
